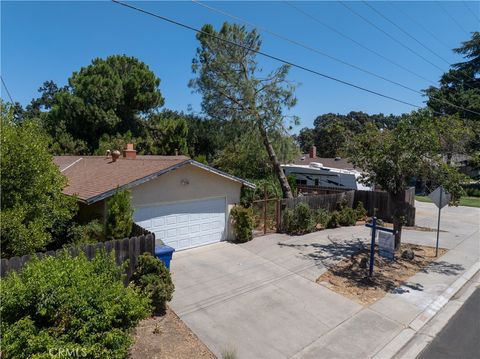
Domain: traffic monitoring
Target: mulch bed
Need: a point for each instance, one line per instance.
(165, 337)
(349, 277)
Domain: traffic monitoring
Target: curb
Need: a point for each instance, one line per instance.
(401, 339)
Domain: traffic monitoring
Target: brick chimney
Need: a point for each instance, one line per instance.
(129, 152)
(313, 152)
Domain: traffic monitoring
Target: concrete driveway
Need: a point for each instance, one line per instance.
(261, 300)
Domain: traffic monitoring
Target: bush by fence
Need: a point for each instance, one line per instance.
(128, 248)
(380, 204)
(374, 203)
(62, 302)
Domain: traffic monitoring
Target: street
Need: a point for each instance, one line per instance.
(460, 338)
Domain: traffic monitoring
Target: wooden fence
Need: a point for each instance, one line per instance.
(380, 204)
(138, 231)
(330, 202)
(128, 248)
(377, 203)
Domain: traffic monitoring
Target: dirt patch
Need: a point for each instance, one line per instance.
(349, 276)
(166, 336)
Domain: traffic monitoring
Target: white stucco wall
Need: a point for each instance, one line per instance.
(202, 184)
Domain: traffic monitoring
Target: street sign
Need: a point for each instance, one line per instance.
(440, 197)
(386, 244)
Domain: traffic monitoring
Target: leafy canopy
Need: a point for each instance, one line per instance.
(33, 206)
(109, 96)
(391, 158)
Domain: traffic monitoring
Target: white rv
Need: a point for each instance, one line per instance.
(318, 175)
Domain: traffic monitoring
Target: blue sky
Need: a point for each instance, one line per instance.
(49, 40)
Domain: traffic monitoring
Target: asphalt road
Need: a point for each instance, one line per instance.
(460, 338)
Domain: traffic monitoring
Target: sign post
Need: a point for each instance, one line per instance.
(441, 198)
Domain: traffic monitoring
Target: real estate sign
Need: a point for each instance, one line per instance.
(386, 244)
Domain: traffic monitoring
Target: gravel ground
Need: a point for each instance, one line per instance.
(167, 337)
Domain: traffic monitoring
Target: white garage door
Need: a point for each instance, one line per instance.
(185, 224)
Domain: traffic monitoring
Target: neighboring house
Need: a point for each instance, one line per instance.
(312, 171)
(467, 166)
(184, 202)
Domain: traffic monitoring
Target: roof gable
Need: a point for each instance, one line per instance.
(93, 178)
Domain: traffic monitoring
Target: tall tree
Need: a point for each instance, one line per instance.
(109, 96)
(391, 158)
(331, 132)
(165, 134)
(33, 207)
(233, 88)
(460, 87)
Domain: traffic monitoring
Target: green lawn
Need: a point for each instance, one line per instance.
(464, 201)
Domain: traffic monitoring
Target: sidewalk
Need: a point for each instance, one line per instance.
(382, 329)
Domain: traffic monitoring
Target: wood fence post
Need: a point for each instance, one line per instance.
(265, 209)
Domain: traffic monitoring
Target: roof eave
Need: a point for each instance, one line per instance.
(152, 176)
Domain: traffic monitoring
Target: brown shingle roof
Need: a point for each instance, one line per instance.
(91, 176)
(339, 163)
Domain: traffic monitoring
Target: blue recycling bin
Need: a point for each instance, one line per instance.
(164, 253)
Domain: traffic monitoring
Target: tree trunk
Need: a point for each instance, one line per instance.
(398, 200)
(286, 190)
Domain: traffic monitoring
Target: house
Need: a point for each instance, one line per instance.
(184, 202)
(330, 173)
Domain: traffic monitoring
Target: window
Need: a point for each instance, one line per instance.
(301, 182)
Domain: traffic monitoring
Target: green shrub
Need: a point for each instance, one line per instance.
(242, 223)
(119, 217)
(322, 216)
(90, 232)
(288, 222)
(361, 212)
(69, 303)
(299, 221)
(472, 192)
(347, 216)
(334, 220)
(304, 219)
(32, 205)
(154, 280)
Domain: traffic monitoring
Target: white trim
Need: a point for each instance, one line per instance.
(179, 201)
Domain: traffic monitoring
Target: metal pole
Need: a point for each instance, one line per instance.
(438, 224)
(372, 245)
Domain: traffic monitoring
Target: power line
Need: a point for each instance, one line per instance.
(452, 18)
(264, 54)
(418, 23)
(319, 52)
(471, 11)
(406, 33)
(269, 56)
(6, 88)
(409, 35)
(331, 28)
(389, 36)
(297, 43)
